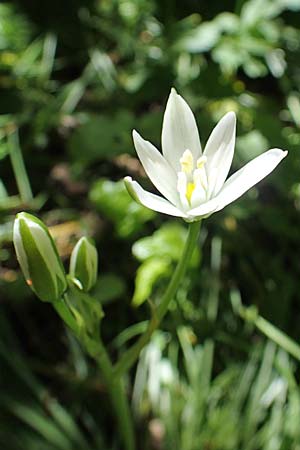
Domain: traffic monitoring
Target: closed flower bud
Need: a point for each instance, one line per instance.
(38, 258)
(84, 264)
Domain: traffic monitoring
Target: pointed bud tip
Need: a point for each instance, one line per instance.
(84, 240)
(27, 217)
(21, 215)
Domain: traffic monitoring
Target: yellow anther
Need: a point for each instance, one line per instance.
(187, 162)
(189, 191)
(201, 161)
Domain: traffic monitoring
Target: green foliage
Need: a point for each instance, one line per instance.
(168, 242)
(246, 406)
(158, 253)
(75, 78)
(111, 199)
(11, 41)
(99, 137)
(42, 421)
(109, 287)
(147, 275)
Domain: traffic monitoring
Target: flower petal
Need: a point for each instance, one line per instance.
(149, 200)
(249, 175)
(179, 131)
(219, 152)
(157, 168)
(241, 181)
(204, 210)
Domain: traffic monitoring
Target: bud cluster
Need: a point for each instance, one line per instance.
(41, 265)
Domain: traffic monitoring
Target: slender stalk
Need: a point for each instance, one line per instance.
(117, 395)
(18, 166)
(64, 312)
(113, 374)
(96, 350)
(131, 355)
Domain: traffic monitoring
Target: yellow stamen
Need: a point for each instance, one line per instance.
(187, 162)
(189, 191)
(192, 181)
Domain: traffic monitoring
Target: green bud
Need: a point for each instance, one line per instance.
(38, 258)
(84, 264)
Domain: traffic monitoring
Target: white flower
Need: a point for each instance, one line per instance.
(194, 183)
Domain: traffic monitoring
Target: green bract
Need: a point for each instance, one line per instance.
(38, 258)
(84, 264)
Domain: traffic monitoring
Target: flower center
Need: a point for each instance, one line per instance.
(192, 181)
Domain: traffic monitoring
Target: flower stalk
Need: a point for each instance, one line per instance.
(116, 390)
(130, 357)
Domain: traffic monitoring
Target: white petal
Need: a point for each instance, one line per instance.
(204, 210)
(249, 175)
(241, 181)
(151, 201)
(219, 152)
(179, 131)
(199, 194)
(181, 188)
(157, 168)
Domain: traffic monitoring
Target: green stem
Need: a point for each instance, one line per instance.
(116, 391)
(64, 312)
(278, 337)
(131, 355)
(19, 169)
(96, 350)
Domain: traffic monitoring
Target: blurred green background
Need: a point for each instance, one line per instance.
(75, 78)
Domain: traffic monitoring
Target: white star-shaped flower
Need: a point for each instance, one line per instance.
(194, 182)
